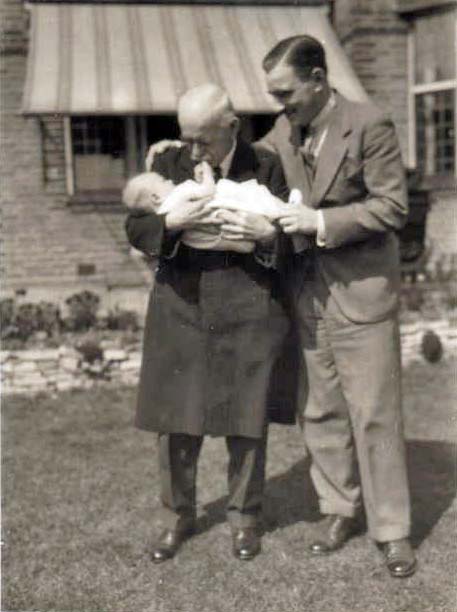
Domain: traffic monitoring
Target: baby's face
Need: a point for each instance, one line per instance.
(155, 191)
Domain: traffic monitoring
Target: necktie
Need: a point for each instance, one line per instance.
(307, 135)
(217, 173)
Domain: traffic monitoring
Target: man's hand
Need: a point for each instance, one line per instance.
(242, 225)
(190, 214)
(298, 219)
(157, 148)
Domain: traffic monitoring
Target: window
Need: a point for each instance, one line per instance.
(435, 139)
(433, 93)
(103, 151)
(99, 153)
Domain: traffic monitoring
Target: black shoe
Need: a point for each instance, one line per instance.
(337, 531)
(246, 543)
(400, 559)
(168, 543)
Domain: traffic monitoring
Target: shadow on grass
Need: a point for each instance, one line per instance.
(290, 497)
(431, 469)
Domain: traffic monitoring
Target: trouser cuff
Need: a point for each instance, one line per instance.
(341, 509)
(239, 520)
(388, 534)
(169, 519)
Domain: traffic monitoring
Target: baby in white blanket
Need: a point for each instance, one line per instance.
(151, 191)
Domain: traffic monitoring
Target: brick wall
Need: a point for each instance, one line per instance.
(375, 39)
(43, 240)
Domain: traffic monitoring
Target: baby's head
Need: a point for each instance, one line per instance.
(147, 190)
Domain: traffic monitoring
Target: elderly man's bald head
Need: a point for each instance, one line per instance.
(208, 123)
(206, 104)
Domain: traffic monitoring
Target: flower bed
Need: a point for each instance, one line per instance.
(108, 362)
(47, 352)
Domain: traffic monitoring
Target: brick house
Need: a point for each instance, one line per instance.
(86, 87)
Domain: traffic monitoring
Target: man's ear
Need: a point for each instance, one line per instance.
(319, 77)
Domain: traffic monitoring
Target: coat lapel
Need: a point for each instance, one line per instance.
(244, 162)
(332, 153)
(292, 161)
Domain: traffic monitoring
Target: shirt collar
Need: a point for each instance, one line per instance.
(227, 161)
(322, 117)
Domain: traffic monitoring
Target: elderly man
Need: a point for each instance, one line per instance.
(344, 158)
(215, 324)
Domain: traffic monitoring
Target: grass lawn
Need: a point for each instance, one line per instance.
(80, 489)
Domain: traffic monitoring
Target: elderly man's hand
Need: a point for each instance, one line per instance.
(160, 147)
(242, 225)
(190, 214)
(298, 219)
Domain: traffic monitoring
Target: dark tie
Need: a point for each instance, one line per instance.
(307, 134)
(217, 173)
(304, 133)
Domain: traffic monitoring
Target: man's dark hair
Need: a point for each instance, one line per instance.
(302, 52)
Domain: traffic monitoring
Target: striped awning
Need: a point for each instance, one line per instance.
(128, 59)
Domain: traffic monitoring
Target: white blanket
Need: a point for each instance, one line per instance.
(248, 196)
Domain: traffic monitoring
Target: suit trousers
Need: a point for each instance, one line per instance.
(178, 457)
(352, 417)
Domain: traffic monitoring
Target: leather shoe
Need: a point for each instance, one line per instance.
(337, 530)
(246, 543)
(400, 559)
(168, 543)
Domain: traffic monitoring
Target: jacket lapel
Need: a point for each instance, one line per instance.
(289, 142)
(332, 153)
(244, 162)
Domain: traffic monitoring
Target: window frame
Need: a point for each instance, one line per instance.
(415, 89)
(135, 140)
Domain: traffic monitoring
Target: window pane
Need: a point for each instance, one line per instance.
(435, 132)
(434, 40)
(98, 152)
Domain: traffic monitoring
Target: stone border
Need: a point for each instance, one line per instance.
(51, 370)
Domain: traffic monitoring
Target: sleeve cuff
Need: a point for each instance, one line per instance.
(321, 234)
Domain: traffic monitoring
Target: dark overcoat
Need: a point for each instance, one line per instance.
(216, 321)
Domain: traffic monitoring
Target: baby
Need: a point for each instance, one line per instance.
(147, 190)
(152, 191)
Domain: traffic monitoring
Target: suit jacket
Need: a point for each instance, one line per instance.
(359, 184)
(216, 321)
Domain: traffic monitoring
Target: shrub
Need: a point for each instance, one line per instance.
(124, 320)
(7, 312)
(90, 351)
(21, 322)
(413, 298)
(49, 319)
(431, 347)
(27, 320)
(83, 309)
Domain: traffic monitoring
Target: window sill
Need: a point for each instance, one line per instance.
(107, 200)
